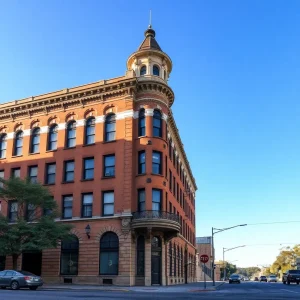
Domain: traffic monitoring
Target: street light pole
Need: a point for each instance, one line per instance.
(213, 250)
(226, 250)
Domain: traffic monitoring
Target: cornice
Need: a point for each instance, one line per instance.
(66, 99)
(154, 86)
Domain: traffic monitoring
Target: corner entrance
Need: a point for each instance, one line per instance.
(32, 262)
(156, 260)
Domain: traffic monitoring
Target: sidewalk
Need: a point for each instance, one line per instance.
(182, 288)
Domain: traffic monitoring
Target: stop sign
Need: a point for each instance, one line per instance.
(204, 258)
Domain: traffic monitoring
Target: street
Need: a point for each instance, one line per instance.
(245, 290)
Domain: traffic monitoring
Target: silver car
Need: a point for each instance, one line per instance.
(272, 278)
(19, 279)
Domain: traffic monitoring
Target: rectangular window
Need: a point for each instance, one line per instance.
(16, 172)
(170, 149)
(1, 176)
(13, 211)
(88, 172)
(156, 162)
(109, 165)
(170, 207)
(170, 180)
(142, 200)
(177, 194)
(67, 207)
(69, 169)
(156, 199)
(142, 162)
(166, 166)
(108, 203)
(174, 157)
(174, 186)
(30, 212)
(32, 173)
(87, 205)
(50, 173)
(177, 166)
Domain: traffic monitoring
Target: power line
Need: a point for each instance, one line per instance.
(269, 223)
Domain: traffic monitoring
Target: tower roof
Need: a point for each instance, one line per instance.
(149, 41)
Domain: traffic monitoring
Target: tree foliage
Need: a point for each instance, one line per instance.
(230, 268)
(286, 260)
(248, 272)
(34, 232)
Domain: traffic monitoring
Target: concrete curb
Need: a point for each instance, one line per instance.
(85, 289)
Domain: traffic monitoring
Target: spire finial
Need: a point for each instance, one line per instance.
(150, 20)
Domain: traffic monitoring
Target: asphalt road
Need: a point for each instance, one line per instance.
(244, 291)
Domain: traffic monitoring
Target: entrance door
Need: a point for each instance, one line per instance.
(156, 260)
(32, 262)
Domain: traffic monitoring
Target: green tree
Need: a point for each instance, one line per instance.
(248, 272)
(286, 260)
(230, 268)
(34, 212)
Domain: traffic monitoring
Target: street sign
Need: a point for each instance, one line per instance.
(204, 258)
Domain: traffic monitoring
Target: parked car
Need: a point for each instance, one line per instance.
(291, 276)
(272, 278)
(263, 278)
(234, 278)
(19, 279)
(255, 278)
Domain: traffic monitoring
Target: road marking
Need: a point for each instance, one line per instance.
(289, 291)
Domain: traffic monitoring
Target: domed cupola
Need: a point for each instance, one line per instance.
(149, 62)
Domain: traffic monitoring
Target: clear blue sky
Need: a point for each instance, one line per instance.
(236, 80)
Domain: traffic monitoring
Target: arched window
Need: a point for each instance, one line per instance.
(35, 140)
(143, 70)
(110, 127)
(140, 254)
(157, 123)
(52, 138)
(178, 261)
(156, 70)
(109, 254)
(69, 256)
(3, 144)
(90, 131)
(18, 149)
(142, 123)
(71, 134)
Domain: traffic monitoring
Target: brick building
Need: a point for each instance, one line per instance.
(111, 154)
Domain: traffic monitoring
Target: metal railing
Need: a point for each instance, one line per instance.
(155, 214)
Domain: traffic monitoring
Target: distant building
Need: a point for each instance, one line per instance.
(204, 246)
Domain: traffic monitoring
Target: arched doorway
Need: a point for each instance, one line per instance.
(156, 260)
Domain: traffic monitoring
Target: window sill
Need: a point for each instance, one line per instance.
(86, 217)
(108, 215)
(67, 148)
(14, 156)
(2, 158)
(54, 150)
(108, 177)
(91, 179)
(107, 142)
(65, 182)
(143, 174)
(66, 218)
(88, 145)
(49, 184)
(34, 153)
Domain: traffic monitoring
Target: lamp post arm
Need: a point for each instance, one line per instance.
(225, 250)
(224, 229)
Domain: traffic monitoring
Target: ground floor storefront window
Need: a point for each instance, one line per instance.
(109, 254)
